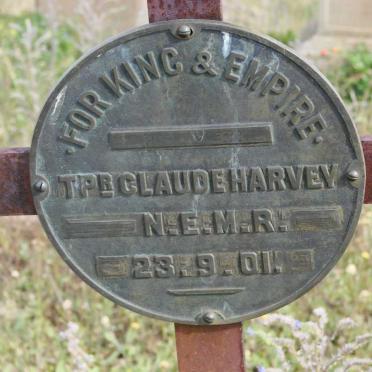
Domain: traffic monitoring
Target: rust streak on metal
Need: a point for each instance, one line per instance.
(367, 150)
(210, 348)
(15, 190)
(165, 10)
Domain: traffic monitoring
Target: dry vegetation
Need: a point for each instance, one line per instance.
(51, 321)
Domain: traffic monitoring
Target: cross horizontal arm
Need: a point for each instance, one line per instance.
(367, 150)
(15, 189)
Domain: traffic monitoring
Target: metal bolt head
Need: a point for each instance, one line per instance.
(353, 175)
(318, 139)
(41, 186)
(209, 317)
(184, 32)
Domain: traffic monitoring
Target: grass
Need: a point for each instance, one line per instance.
(39, 297)
(51, 321)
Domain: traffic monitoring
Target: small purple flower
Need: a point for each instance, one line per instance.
(261, 369)
(297, 324)
(250, 331)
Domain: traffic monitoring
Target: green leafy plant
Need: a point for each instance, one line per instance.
(353, 76)
(33, 56)
(287, 37)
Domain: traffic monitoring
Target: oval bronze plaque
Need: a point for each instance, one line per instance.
(202, 177)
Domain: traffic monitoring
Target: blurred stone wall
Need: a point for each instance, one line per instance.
(342, 24)
(348, 17)
(270, 15)
(120, 14)
(16, 6)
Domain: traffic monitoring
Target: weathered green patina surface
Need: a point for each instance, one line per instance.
(197, 173)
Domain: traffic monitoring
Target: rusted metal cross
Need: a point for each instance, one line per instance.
(199, 348)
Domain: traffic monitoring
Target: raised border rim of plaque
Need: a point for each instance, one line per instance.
(324, 85)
